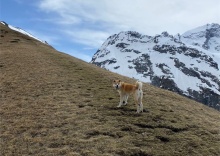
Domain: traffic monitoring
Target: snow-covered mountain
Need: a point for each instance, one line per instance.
(22, 31)
(188, 64)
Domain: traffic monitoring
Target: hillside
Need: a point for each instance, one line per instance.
(54, 104)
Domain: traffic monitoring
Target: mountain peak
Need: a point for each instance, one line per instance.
(213, 25)
(206, 37)
(165, 34)
(204, 28)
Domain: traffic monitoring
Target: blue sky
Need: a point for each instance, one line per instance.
(79, 27)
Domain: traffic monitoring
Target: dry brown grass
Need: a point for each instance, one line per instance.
(54, 104)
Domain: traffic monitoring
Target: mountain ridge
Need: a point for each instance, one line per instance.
(177, 63)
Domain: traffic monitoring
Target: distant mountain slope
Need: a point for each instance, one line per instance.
(54, 104)
(206, 37)
(21, 31)
(188, 64)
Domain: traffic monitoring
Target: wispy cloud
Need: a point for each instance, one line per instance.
(142, 15)
(91, 38)
(90, 22)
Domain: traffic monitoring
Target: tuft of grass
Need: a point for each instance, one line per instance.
(54, 104)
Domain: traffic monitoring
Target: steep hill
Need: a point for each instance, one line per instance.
(187, 64)
(54, 104)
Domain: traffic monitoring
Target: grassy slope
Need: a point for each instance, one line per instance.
(54, 104)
